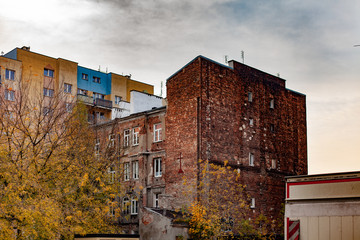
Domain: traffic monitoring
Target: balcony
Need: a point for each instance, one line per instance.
(95, 102)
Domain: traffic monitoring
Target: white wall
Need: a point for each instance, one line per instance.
(140, 102)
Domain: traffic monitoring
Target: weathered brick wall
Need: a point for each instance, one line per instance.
(212, 100)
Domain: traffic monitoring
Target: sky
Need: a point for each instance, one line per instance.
(309, 43)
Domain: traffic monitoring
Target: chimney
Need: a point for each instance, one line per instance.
(26, 48)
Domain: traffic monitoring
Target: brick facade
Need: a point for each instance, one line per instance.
(216, 113)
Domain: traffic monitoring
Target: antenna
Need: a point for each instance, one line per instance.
(242, 56)
(99, 68)
(2, 53)
(106, 69)
(226, 59)
(161, 90)
(278, 74)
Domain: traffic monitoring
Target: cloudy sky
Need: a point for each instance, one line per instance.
(309, 43)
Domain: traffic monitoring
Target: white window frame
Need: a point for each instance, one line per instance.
(117, 100)
(85, 76)
(111, 173)
(67, 88)
(96, 79)
(134, 208)
(251, 122)
(111, 140)
(252, 204)
(48, 92)
(157, 132)
(126, 171)
(157, 167)
(9, 74)
(126, 137)
(98, 96)
(135, 136)
(112, 209)
(135, 169)
(97, 146)
(48, 73)
(156, 200)
(9, 95)
(251, 159)
(273, 163)
(126, 206)
(250, 96)
(272, 103)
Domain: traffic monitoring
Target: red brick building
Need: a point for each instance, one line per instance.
(215, 113)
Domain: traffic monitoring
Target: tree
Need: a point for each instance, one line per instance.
(222, 205)
(52, 184)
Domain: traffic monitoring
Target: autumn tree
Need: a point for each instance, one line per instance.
(221, 207)
(52, 184)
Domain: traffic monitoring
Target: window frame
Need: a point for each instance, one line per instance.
(48, 92)
(135, 136)
(9, 74)
(111, 140)
(96, 79)
(97, 146)
(67, 88)
(82, 92)
(156, 200)
(126, 206)
(134, 206)
(117, 100)
(135, 169)
(251, 159)
(126, 171)
(48, 73)
(85, 76)
(252, 204)
(157, 167)
(272, 103)
(9, 95)
(157, 132)
(126, 137)
(251, 122)
(273, 164)
(250, 97)
(112, 173)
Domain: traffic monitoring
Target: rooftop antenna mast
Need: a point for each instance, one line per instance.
(161, 90)
(242, 56)
(226, 59)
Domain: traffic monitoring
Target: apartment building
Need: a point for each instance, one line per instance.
(107, 95)
(214, 113)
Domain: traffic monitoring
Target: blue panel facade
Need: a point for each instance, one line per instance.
(92, 80)
(12, 54)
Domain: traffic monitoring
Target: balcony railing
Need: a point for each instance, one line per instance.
(94, 102)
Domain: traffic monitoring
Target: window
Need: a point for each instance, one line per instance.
(68, 107)
(9, 74)
(157, 132)
(126, 171)
(47, 111)
(100, 116)
(252, 205)
(272, 128)
(251, 159)
(9, 95)
(251, 122)
(111, 140)
(272, 104)
(134, 206)
(111, 172)
(48, 73)
(250, 96)
(97, 146)
(157, 167)
(126, 137)
(96, 79)
(112, 209)
(82, 92)
(135, 169)
(156, 200)
(126, 206)
(273, 164)
(48, 92)
(135, 136)
(67, 88)
(84, 77)
(98, 95)
(117, 100)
